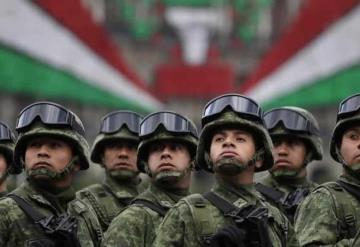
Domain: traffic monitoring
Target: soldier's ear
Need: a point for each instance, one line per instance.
(76, 167)
(259, 163)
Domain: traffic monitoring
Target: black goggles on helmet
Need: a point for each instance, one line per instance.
(171, 121)
(50, 114)
(348, 106)
(238, 103)
(5, 133)
(292, 120)
(113, 122)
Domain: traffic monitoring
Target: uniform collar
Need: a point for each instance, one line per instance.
(161, 196)
(122, 189)
(56, 201)
(292, 183)
(347, 178)
(236, 194)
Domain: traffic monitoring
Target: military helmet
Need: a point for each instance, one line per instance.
(7, 140)
(348, 115)
(295, 121)
(233, 110)
(117, 125)
(49, 119)
(164, 126)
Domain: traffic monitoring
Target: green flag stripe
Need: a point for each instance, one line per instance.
(327, 91)
(24, 75)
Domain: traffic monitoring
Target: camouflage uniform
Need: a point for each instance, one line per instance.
(194, 220)
(292, 189)
(110, 197)
(329, 215)
(137, 224)
(17, 227)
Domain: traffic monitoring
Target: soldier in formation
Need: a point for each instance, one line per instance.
(166, 153)
(233, 144)
(296, 138)
(330, 215)
(7, 139)
(115, 149)
(42, 212)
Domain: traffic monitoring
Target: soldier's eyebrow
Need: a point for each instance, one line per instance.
(353, 129)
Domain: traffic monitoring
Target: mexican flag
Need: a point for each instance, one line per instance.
(315, 62)
(54, 49)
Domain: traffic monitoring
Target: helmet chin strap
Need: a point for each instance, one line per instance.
(3, 176)
(166, 177)
(122, 175)
(232, 166)
(43, 171)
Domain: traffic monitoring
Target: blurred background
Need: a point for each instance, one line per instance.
(96, 56)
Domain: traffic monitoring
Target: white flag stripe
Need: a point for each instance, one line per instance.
(337, 48)
(27, 28)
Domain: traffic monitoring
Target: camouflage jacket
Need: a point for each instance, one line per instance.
(288, 187)
(108, 199)
(18, 229)
(137, 224)
(329, 216)
(193, 218)
(293, 193)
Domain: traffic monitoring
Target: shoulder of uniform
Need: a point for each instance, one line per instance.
(327, 188)
(78, 206)
(196, 200)
(6, 203)
(132, 213)
(94, 188)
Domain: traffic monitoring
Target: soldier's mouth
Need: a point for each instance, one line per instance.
(42, 164)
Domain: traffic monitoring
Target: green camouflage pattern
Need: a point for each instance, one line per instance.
(16, 228)
(232, 119)
(137, 225)
(179, 225)
(101, 139)
(289, 185)
(39, 129)
(321, 218)
(315, 141)
(109, 198)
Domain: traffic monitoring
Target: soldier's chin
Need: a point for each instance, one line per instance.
(41, 174)
(284, 173)
(167, 177)
(230, 166)
(123, 174)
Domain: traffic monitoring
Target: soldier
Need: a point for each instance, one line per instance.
(166, 153)
(7, 139)
(295, 134)
(51, 148)
(330, 215)
(234, 145)
(115, 148)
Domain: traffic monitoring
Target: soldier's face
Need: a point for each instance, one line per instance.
(232, 143)
(3, 165)
(168, 156)
(120, 155)
(350, 146)
(289, 153)
(49, 153)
